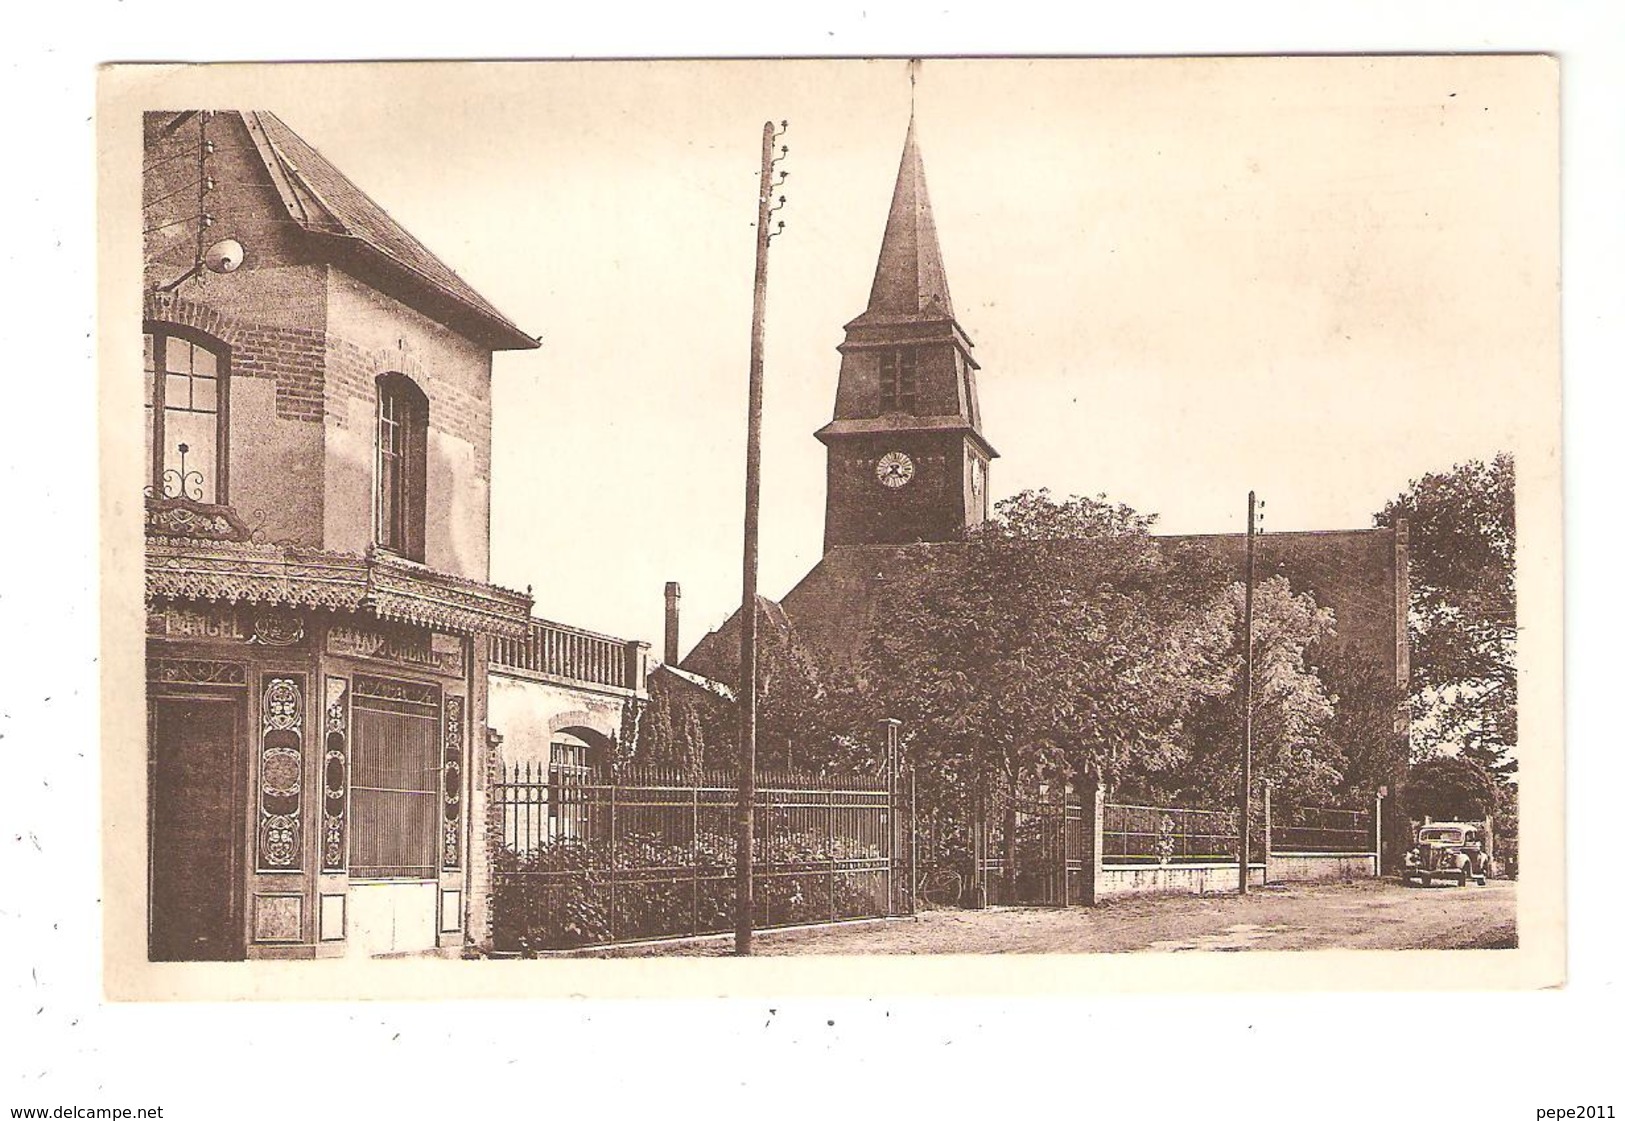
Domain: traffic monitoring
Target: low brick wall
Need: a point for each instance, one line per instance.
(1190, 879)
(1314, 866)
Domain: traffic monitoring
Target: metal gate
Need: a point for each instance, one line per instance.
(1033, 851)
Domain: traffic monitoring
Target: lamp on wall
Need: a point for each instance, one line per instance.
(222, 257)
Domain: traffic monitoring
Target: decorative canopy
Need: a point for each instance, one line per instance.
(226, 571)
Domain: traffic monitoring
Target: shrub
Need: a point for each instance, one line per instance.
(573, 893)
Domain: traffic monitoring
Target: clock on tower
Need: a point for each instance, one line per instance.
(895, 469)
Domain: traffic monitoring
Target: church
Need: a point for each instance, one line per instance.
(908, 465)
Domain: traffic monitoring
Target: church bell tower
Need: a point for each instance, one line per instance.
(907, 458)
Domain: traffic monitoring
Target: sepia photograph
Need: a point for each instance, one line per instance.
(958, 517)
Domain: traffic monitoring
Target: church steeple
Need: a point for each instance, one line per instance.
(907, 458)
(910, 282)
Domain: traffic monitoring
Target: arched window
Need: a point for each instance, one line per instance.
(568, 768)
(187, 375)
(403, 438)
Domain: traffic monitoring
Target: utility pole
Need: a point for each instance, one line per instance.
(1247, 704)
(744, 896)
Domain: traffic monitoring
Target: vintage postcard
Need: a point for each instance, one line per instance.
(974, 525)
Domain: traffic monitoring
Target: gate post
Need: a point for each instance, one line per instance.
(1269, 827)
(888, 728)
(1066, 845)
(913, 843)
(978, 848)
(1377, 829)
(1092, 799)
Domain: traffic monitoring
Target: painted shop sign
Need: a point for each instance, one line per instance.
(440, 652)
(269, 628)
(193, 622)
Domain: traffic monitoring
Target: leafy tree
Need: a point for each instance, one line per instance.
(692, 745)
(1365, 725)
(1057, 643)
(1449, 788)
(676, 727)
(792, 719)
(1293, 712)
(1463, 625)
(1504, 829)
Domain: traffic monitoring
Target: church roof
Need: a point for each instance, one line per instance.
(323, 201)
(910, 281)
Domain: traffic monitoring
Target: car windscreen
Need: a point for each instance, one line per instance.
(1442, 836)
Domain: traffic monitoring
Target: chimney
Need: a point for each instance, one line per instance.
(673, 593)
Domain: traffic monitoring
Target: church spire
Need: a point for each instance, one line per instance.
(910, 281)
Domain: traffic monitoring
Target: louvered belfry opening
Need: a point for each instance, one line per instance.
(395, 780)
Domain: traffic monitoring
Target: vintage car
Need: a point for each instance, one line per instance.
(1448, 850)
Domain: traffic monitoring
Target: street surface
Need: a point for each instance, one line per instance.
(1363, 915)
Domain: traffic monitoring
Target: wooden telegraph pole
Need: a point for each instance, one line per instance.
(744, 899)
(1247, 704)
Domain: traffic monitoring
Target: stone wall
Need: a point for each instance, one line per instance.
(1185, 879)
(1317, 867)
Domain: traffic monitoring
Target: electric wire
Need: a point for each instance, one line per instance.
(216, 180)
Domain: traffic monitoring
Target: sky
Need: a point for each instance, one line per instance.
(1317, 278)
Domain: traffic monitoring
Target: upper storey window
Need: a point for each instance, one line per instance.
(403, 429)
(898, 381)
(186, 375)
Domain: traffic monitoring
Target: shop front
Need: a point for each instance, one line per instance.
(310, 719)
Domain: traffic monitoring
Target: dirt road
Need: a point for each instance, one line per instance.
(1377, 915)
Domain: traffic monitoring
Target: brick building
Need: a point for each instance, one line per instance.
(908, 468)
(320, 619)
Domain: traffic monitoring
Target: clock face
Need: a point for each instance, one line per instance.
(894, 469)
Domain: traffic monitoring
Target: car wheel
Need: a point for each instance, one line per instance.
(1427, 880)
(1466, 874)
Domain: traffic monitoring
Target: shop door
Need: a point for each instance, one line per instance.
(196, 832)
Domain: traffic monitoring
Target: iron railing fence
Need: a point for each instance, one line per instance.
(1322, 829)
(651, 854)
(1142, 835)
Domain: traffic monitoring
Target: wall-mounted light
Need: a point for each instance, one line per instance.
(222, 257)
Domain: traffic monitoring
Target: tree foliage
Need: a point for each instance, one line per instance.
(688, 726)
(1293, 712)
(1063, 641)
(1463, 624)
(1449, 788)
(1365, 726)
(679, 726)
(1028, 654)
